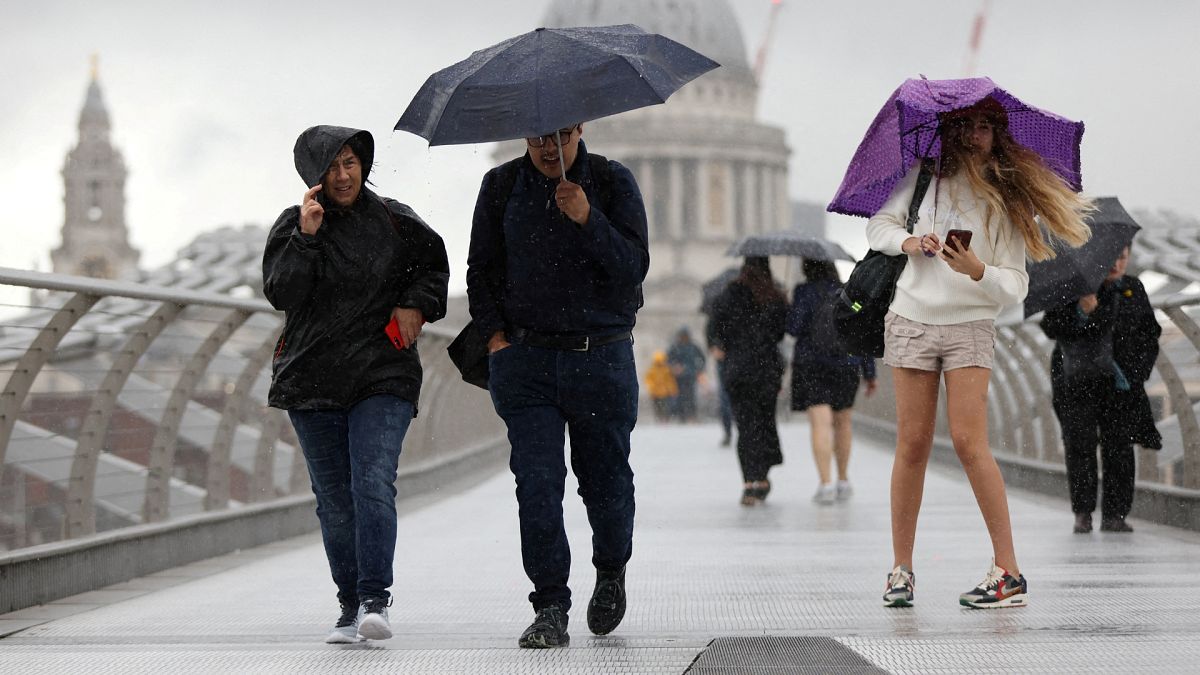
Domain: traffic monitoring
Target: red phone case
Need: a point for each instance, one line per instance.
(393, 333)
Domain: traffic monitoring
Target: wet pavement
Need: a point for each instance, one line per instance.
(704, 568)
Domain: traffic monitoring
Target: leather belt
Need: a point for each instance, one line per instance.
(577, 343)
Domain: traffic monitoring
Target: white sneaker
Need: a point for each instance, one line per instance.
(373, 620)
(345, 631)
(844, 490)
(826, 494)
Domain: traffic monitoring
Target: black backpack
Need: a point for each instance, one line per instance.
(858, 310)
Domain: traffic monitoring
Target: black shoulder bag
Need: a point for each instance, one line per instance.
(861, 305)
(469, 350)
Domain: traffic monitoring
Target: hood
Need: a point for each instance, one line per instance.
(318, 146)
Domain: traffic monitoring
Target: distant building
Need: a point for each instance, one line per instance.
(95, 240)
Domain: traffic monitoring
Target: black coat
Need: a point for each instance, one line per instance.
(749, 333)
(1125, 317)
(338, 287)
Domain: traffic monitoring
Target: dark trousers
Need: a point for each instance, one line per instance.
(754, 403)
(542, 393)
(352, 456)
(724, 405)
(1087, 418)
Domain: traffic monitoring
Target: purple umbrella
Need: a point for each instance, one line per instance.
(906, 129)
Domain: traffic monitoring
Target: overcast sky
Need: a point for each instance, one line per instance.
(206, 99)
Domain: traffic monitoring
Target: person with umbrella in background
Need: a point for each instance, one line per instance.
(558, 253)
(1106, 343)
(342, 266)
(825, 378)
(747, 323)
(709, 292)
(964, 263)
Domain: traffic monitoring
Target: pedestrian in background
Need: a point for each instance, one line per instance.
(748, 320)
(661, 387)
(825, 379)
(341, 266)
(687, 363)
(1105, 348)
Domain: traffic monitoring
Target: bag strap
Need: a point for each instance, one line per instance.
(923, 179)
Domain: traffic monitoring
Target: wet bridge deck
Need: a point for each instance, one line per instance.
(704, 568)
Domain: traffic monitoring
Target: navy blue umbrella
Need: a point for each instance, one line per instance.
(549, 79)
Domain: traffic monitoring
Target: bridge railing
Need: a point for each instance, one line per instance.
(128, 404)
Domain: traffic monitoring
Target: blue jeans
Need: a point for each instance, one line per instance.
(541, 393)
(351, 456)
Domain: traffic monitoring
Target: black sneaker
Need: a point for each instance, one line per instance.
(901, 582)
(1083, 523)
(1115, 524)
(373, 619)
(549, 629)
(607, 607)
(345, 631)
(998, 589)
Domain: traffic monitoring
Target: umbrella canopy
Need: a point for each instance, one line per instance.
(791, 243)
(549, 79)
(713, 287)
(906, 130)
(1076, 272)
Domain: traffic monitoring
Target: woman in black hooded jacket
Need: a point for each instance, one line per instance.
(342, 266)
(1105, 348)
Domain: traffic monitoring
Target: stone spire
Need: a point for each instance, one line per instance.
(95, 240)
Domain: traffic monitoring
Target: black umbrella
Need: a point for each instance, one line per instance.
(789, 242)
(713, 287)
(549, 79)
(1076, 272)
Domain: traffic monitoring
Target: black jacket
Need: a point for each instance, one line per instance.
(749, 333)
(338, 288)
(557, 277)
(1125, 317)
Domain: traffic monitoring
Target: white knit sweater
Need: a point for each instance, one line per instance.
(929, 291)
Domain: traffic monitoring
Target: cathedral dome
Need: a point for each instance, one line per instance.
(707, 26)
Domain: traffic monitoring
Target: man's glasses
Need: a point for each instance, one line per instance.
(539, 141)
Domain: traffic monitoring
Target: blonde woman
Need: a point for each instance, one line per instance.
(966, 261)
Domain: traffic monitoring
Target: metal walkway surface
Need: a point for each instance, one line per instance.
(704, 568)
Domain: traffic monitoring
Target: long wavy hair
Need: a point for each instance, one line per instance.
(756, 275)
(1015, 182)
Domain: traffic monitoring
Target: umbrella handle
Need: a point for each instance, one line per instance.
(562, 163)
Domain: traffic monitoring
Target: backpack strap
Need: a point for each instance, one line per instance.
(923, 179)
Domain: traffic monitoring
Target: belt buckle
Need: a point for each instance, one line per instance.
(584, 348)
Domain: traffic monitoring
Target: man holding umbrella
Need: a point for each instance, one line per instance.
(554, 279)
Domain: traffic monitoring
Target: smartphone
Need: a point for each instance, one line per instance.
(393, 333)
(963, 237)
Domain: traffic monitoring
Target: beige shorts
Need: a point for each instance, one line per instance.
(911, 344)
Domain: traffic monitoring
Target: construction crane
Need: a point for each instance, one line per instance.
(976, 39)
(760, 59)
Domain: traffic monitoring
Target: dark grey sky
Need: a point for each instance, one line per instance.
(206, 100)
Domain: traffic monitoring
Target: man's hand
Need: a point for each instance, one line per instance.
(1088, 303)
(497, 342)
(572, 201)
(410, 321)
(963, 260)
(312, 214)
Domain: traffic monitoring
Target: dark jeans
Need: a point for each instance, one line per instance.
(1087, 420)
(351, 456)
(758, 446)
(541, 393)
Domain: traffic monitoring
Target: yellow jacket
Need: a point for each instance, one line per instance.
(660, 382)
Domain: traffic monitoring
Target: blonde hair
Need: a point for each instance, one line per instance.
(1016, 182)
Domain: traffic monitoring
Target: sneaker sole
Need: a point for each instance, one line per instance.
(897, 602)
(1013, 601)
(372, 628)
(539, 642)
(340, 638)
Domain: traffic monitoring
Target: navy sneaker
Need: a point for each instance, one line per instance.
(998, 589)
(607, 607)
(549, 629)
(899, 589)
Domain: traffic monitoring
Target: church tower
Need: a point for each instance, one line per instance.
(95, 241)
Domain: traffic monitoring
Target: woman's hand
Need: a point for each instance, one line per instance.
(927, 244)
(963, 260)
(311, 211)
